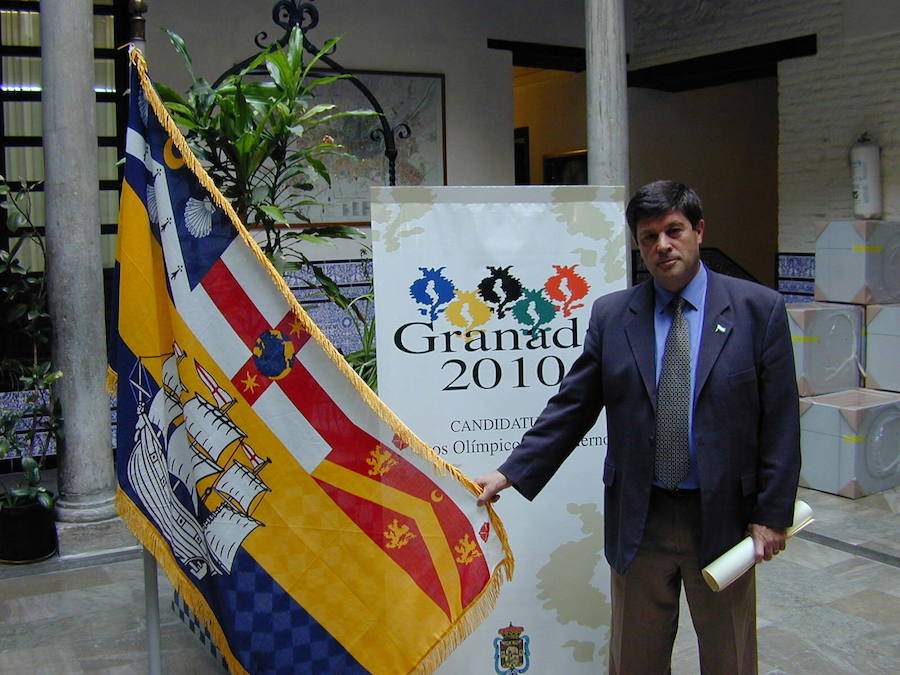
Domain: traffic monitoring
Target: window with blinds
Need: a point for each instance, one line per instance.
(20, 108)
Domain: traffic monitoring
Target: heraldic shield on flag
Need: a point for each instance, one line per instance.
(303, 523)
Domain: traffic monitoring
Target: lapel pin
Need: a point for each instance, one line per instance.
(720, 328)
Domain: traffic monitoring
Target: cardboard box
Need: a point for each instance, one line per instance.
(883, 347)
(858, 261)
(850, 442)
(828, 346)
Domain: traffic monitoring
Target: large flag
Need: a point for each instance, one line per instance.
(302, 521)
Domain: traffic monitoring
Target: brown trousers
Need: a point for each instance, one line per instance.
(645, 599)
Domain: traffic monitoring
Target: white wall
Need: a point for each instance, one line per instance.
(722, 142)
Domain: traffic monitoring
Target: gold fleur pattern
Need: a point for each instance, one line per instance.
(466, 551)
(397, 535)
(381, 461)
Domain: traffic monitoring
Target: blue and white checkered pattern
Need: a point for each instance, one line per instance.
(269, 632)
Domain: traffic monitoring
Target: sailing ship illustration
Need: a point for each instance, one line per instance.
(181, 439)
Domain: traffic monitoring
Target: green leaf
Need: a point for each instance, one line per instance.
(316, 110)
(246, 143)
(169, 95)
(315, 239)
(275, 213)
(184, 111)
(276, 65)
(341, 232)
(46, 500)
(320, 81)
(320, 169)
(294, 50)
(326, 48)
(16, 246)
(256, 62)
(181, 48)
(14, 221)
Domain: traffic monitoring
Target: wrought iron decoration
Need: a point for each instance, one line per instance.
(288, 14)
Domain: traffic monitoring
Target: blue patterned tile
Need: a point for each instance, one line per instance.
(337, 325)
(790, 297)
(796, 286)
(342, 272)
(18, 400)
(797, 265)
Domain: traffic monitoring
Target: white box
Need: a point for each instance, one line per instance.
(828, 346)
(883, 347)
(858, 261)
(850, 441)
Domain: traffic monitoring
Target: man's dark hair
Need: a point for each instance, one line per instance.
(658, 198)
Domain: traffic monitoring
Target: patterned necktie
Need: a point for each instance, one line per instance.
(673, 400)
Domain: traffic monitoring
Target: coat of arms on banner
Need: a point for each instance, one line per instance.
(511, 651)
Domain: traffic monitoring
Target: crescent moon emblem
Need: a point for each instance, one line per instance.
(436, 496)
(172, 161)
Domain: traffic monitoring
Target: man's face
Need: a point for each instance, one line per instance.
(670, 248)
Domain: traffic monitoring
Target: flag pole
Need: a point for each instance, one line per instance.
(151, 613)
(137, 8)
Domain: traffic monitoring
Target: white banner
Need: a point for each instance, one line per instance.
(483, 299)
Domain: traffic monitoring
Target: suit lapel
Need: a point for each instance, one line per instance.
(717, 327)
(641, 338)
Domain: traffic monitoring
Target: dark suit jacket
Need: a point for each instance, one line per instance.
(746, 416)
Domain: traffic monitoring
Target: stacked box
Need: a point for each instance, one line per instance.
(883, 347)
(828, 347)
(850, 442)
(858, 261)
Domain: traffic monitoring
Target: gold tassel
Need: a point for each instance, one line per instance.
(112, 381)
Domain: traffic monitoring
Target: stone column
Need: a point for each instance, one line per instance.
(75, 280)
(607, 104)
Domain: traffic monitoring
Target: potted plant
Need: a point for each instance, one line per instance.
(252, 131)
(27, 425)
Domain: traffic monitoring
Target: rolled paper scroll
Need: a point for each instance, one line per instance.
(735, 561)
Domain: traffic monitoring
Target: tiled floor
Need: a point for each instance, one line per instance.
(829, 605)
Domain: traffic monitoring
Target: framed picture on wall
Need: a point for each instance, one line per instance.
(414, 106)
(567, 168)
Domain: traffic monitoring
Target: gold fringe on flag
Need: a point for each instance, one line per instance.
(482, 607)
(112, 381)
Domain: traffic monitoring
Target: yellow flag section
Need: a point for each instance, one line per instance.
(302, 521)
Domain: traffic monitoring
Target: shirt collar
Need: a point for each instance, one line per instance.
(694, 293)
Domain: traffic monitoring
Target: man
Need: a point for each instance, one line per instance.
(720, 459)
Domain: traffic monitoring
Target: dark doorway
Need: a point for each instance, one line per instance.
(523, 171)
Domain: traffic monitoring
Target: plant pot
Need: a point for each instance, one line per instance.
(27, 533)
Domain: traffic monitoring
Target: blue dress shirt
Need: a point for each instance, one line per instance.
(694, 295)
